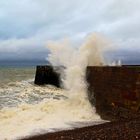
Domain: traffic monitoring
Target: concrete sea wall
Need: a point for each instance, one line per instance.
(115, 91)
(47, 75)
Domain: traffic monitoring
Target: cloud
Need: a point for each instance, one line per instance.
(27, 25)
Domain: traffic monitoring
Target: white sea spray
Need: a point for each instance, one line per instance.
(40, 109)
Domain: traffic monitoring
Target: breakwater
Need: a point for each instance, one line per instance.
(115, 91)
(47, 75)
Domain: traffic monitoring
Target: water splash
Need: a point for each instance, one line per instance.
(29, 117)
(75, 60)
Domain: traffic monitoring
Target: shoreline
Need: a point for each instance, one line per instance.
(119, 130)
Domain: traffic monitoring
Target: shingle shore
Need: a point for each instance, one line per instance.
(120, 130)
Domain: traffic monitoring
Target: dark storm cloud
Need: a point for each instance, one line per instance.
(27, 25)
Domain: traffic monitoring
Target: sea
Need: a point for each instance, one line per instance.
(27, 109)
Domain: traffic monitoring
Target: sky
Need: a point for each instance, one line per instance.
(27, 25)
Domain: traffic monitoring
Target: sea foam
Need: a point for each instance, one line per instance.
(41, 109)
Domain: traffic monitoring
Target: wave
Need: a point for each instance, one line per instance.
(32, 109)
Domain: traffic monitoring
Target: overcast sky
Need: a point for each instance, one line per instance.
(27, 25)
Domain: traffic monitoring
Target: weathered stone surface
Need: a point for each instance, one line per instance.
(115, 91)
(46, 75)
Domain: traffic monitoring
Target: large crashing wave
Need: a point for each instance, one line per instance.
(48, 114)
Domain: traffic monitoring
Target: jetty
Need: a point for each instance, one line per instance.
(114, 91)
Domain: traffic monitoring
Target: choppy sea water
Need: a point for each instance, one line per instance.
(27, 109)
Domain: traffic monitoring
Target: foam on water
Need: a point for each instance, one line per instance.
(33, 109)
(55, 110)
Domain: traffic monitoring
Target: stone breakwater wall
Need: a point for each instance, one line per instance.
(115, 91)
(47, 75)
